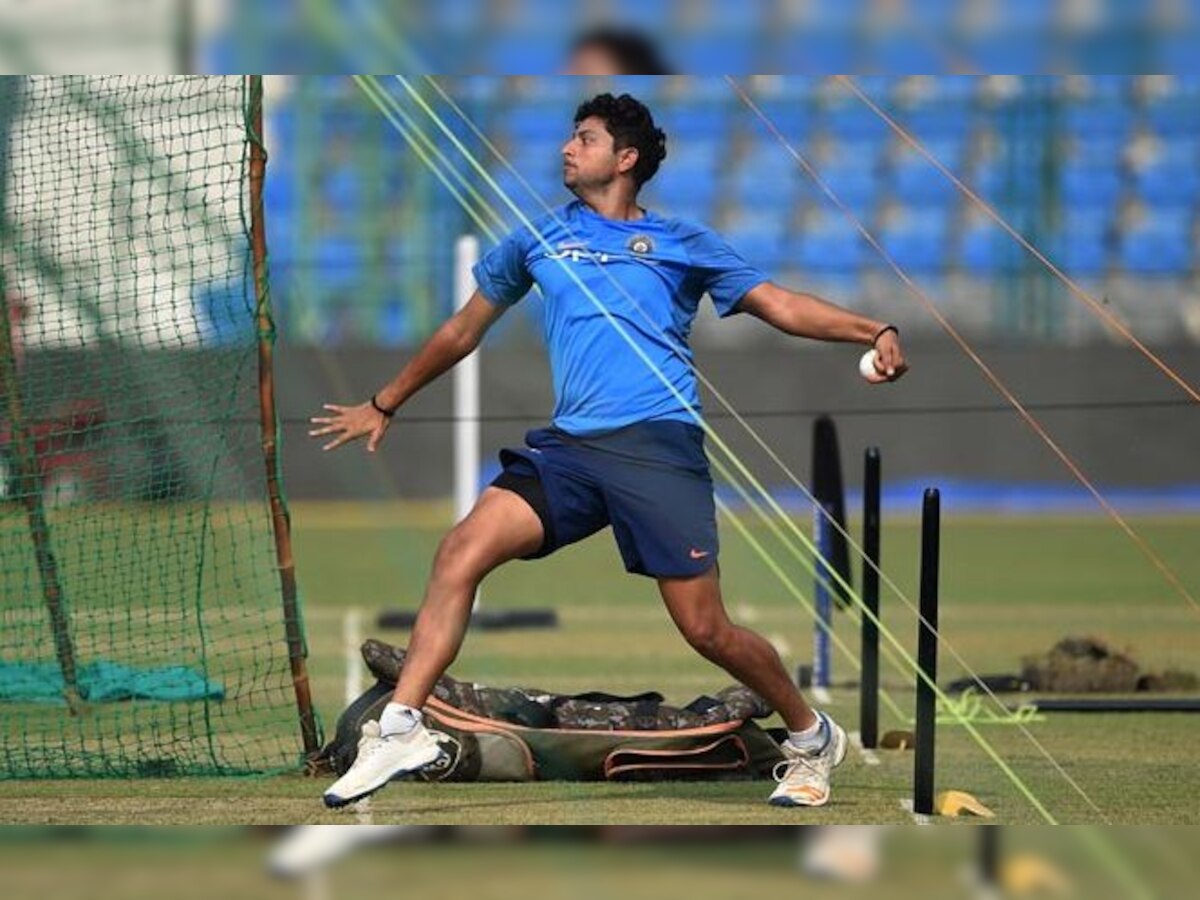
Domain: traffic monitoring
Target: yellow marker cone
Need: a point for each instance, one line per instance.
(958, 803)
(1025, 875)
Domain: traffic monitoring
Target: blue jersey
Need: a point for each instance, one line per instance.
(647, 277)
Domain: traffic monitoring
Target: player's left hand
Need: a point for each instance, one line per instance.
(889, 359)
(350, 423)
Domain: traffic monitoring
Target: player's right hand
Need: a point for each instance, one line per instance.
(349, 423)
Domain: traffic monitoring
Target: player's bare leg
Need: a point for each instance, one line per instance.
(501, 527)
(816, 743)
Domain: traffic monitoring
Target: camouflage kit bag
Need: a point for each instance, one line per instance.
(523, 734)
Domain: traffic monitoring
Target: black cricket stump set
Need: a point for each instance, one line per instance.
(826, 471)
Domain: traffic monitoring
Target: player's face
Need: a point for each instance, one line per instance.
(589, 157)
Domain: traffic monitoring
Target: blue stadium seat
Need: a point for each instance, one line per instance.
(1027, 15)
(535, 155)
(985, 250)
(735, 53)
(796, 88)
(947, 122)
(858, 154)
(695, 121)
(1151, 250)
(537, 121)
(902, 51)
(342, 188)
(283, 239)
(1079, 252)
(955, 91)
(918, 242)
(770, 160)
(793, 118)
(817, 52)
(856, 185)
(1098, 151)
(1109, 49)
(531, 16)
(694, 156)
(1110, 88)
(653, 15)
(933, 12)
(521, 54)
(843, 15)
(1091, 186)
(686, 208)
(772, 187)
(673, 186)
(1015, 52)
(1169, 185)
(915, 181)
(395, 326)
(1174, 117)
(529, 204)
(1098, 120)
(475, 88)
(647, 88)
(1180, 150)
(854, 121)
(832, 246)
(878, 87)
(451, 15)
(760, 237)
(558, 90)
(723, 17)
(338, 262)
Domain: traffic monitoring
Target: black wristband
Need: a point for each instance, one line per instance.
(388, 413)
(882, 331)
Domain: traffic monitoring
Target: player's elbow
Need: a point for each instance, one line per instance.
(773, 306)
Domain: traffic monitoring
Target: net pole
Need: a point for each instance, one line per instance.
(466, 394)
(280, 519)
(28, 478)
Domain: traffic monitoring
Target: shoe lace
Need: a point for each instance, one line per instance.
(369, 745)
(785, 768)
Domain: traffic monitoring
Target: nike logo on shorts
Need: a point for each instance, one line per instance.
(698, 554)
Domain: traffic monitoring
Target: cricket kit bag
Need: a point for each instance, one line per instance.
(524, 734)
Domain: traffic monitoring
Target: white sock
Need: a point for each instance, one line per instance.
(811, 739)
(398, 719)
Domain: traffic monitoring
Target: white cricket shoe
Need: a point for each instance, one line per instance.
(379, 760)
(804, 776)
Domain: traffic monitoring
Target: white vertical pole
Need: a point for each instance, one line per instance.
(466, 391)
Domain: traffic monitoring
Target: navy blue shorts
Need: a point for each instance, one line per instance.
(649, 481)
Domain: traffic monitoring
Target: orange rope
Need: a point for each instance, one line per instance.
(991, 376)
(1098, 308)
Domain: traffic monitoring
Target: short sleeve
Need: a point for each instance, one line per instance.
(722, 271)
(503, 273)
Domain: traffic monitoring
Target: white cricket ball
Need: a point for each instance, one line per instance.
(866, 365)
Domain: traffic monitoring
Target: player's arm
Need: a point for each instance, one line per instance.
(805, 315)
(455, 339)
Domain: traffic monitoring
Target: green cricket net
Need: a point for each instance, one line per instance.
(142, 628)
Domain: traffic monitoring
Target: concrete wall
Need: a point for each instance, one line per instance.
(169, 402)
(1157, 445)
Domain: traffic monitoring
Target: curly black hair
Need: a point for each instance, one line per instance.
(631, 125)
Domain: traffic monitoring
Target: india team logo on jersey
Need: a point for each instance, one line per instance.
(641, 244)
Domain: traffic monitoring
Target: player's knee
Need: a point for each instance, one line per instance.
(709, 637)
(457, 559)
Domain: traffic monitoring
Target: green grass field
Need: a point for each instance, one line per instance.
(1010, 587)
